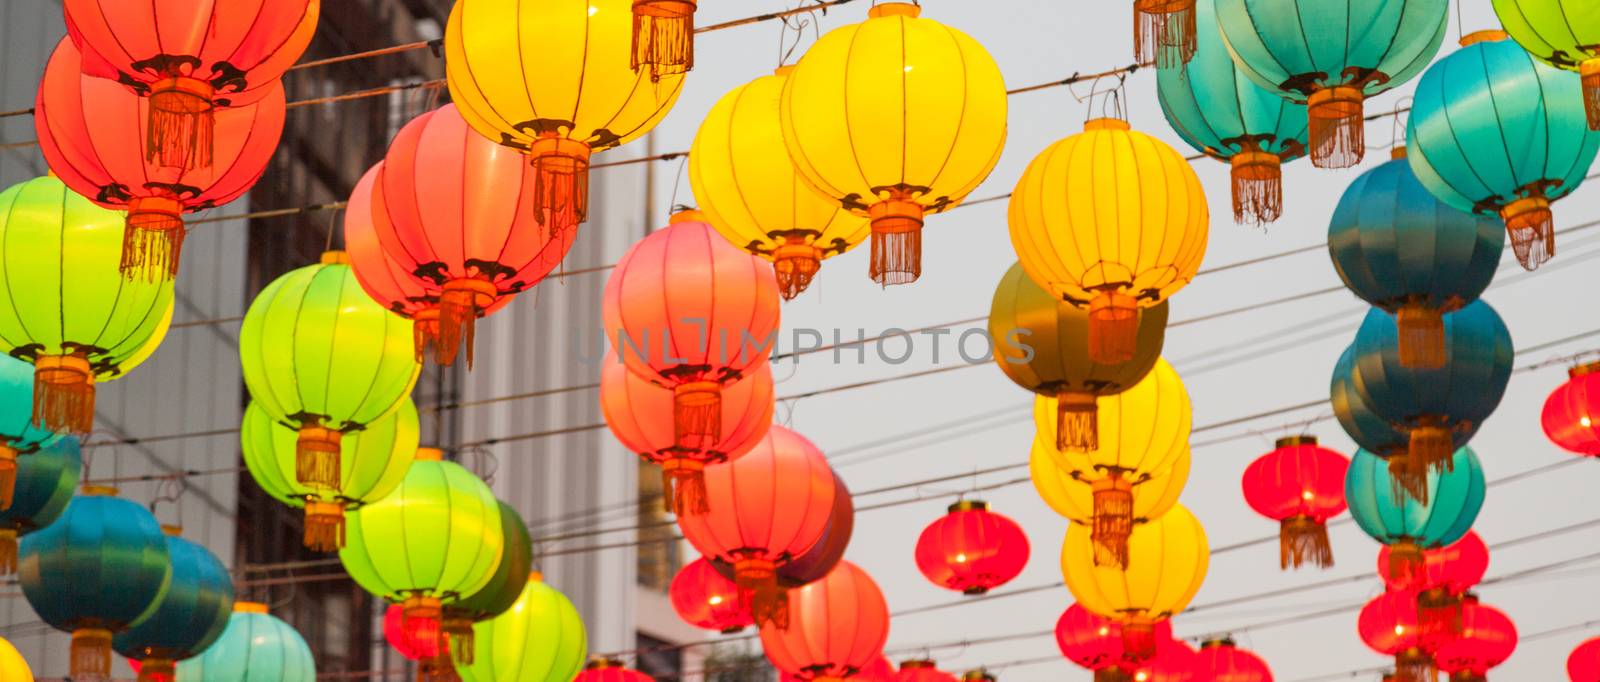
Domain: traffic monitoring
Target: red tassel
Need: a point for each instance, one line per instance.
(63, 393)
(1338, 130)
(421, 620)
(1113, 327)
(663, 36)
(181, 123)
(425, 333)
(697, 414)
(896, 239)
(684, 482)
(1164, 32)
(1113, 521)
(1532, 228)
(460, 304)
(758, 586)
(152, 239)
(1077, 422)
(1415, 665)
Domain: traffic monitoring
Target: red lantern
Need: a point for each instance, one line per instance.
(610, 670)
(837, 627)
(1448, 572)
(1174, 662)
(663, 36)
(971, 549)
(818, 561)
(922, 670)
(1487, 639)
(1095, 642)
(455, 216)
(688, 310)
(91, 134)
(431, 651)
(1584, 663)
(706, 600)
(1569, 413)
(1300, 485)
(767, 507)
(1389, 626)
(641, 415)
(190, 59)
(1223, 660)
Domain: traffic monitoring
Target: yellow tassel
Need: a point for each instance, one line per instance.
(460, 304)
(1406, 563)
(463, 642)
(1415, 665)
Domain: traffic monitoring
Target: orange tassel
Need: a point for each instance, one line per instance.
(1438, 615)
(697, 414)
(1139, 638)
(8, 551)
(316, 458)
(460, 304)
(1077, 422)
(437, 669)
(425, 333)
(1113, 327)
(685, 485)
(8, 476)
(63, 393)
(663, 36)
(758, 586)
(1590, 71)
(1415, 665)
(1406, 563)
(1421, 329)
(1338, 132)
(1111, 674)
(796, 263)
(1407, 477)
(1532, 229)
(91, 653)
(152, 239)
(1301, 540)
(1257, 186)
(463, 643)
(1164, 32)
(181, 124)
(157, 670)
(896, 239)
(560, 182)
(324, 526)
(1113, 521)
(1432, 447)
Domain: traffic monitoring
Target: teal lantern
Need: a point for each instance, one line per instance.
(1332, 55)
(1367, 429)
(98, 570)
(45, 481)
(501, 592)
(1402, 250)
(254, 647)
(18, 434)
(1404, 523)
(188, 616)
(1494, 130)
(1226, 116)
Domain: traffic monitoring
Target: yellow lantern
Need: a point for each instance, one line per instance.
(1111, 220)
(553, 79)
(750, 192)
(894, 118)
(1167, 561)
(1073, 497)
(13, 668)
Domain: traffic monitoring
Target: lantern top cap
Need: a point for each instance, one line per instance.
(1490, 36)
(784, 70)
(172, 529)
(1585, 368)
(603, 663)
(429, 454)
(536, 576)
(1218, 642)
(917, 664)
(1399, 152)
(979, 675)
(1292, 441)
(335, 257)
(100, 490)
(968, 505)
(1105, 123)
(249, 607)
(688, 215)
(894, 9)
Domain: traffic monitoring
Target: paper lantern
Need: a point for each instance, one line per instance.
(1074, 499)
(1567, 412)
(610, 670)
(321, 357)
(496, 596)
(1333, 56)
(663, 37)
(817, 562)
(1110, 220)
(188, 617)
(971, 549)
(67, 310)
(1174, 662)
(880, 670)
(1300, 485)
(92, 134)
(642, 416)
(752, 194)
(44, 483)
(1583, 665)
(1390, 626)
(1447, 573)
(19, 436)
(254, 647)
(1562, 33)
(1401, 249)
(895, 118)
(837, 627)
(1223, 660)
(1487, 639)
(455, 216)
(372, 462)
(766, 508)
(1144, 431)
(922, 670)
(706, 600)
(1403, 522)
(1040, 348)
(686, 309)
(95, 572)
(1493, 130)
(12, 665)
(579, 96)
(1221, 113)
(190, 59)
(431, 653)
(1095, 643)
(539, 639)
(1370, 432)
(1167, 561)
(441, 501)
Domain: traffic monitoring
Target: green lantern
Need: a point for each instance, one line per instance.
(372, 462)
(64, 305)
(499, 594)
(539, 639)
(1562, 33)
(432, 542)
(322, 357)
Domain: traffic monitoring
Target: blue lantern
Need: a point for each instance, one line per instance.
(1402, 250)
(254, 647)
(98, 570)
(1226, 116)
(18, 434)
(45, 481)
(1405, 523)
(1495, 130)
(1368, 430)
(188, 617)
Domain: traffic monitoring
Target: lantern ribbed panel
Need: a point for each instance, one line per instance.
(1221, 661)
(12, 665)
(254, 647)
(372, 461)
(1367, 429)
(972, 549)
(1143, 430)
(1390, 516)
(1488, 637)
(818, 561)
(773, 503)
(837, 625)
(1456, 567)
(104, 564)
(1094, 642)
(1167, 562)
(540, 639)
(1074, 498)
(640, 414)
(190, 615)
(706, 600)
(1583, 664)
(1388, 624)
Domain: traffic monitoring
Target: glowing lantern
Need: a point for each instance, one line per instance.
(254, 647)
(880, 670)
(1223, 660)
(663, 37)
(580, 96)
(1563, 34)
(1401, 249)
(496, 596)
(320, 356)
(610, 670)
(1301, 486)
(432, 654)
(1145, 433)
(188, 617)
(1223, 114)
(895, 118)
(1448, 572)
(74, 318)
(1074, 499)
(767, 507)
(20, 436)
(1583, 665)
(706, 600)
(1487, 639)
(45, 480)
(539, 639)
(686, 309)
(972, 549)
(1390, 626)
(1494, 130)
(1333, 56)
(922, 670)
(12, 665)
(90, 132)
(372, 462)
(1167, 561)
(190, 59)
(95, 572)
(641, 415)
(751, 192)
(1110, 220)
(1043, 351)
(455, 217)
(448, 504)
(837, 627)
(1174, 662)
(1567, 412)
(817, 562)
(1094, 642)
(1404, 523)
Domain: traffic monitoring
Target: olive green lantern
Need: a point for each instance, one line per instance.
(1562, 33)
(321, 357)
(434, 541)
(499, 594)
(372, 462)
(539, 639)
(64, 305)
